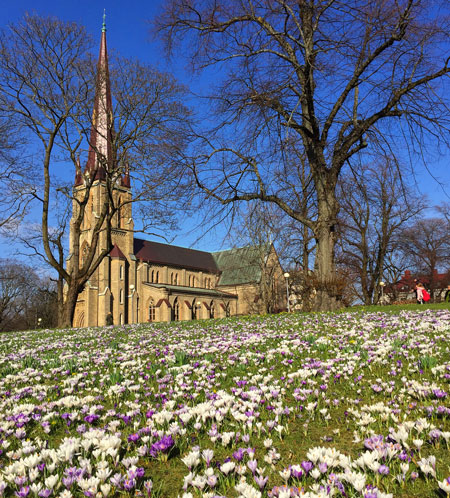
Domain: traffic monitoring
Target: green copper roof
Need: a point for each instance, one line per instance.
(242, 265)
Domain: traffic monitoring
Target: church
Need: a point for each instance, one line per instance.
(143, 281)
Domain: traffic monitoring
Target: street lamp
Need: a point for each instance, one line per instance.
(286, 276)
(381, 284)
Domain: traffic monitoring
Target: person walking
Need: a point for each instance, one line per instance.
(447, 295)
(419, 292)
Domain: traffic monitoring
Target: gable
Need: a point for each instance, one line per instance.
(241, 265)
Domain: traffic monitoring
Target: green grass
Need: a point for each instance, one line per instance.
(370, 371)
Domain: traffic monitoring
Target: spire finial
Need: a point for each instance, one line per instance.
(104, 21)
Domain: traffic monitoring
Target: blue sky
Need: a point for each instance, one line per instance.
(129, 33)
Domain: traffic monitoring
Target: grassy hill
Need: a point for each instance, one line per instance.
(352, 403)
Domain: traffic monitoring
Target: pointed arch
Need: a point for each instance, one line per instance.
(79, 322)
(175, 312)
(84, 252)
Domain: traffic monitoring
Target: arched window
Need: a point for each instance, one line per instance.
(121, 319)
(175, 310)
(227, 309)
(157, 277)
(171, 278)
(153, 276)
(193, 281)
(121, 296)
(175, 279)
(189, 281)
(84, 252)
(151, 311)
(121, 272)
(212, 311)
(195, 309)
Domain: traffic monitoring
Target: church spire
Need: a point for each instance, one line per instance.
(101, 136)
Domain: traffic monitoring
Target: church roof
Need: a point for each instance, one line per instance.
(165, 254)
(241, 265)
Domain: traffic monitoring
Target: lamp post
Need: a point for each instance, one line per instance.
(381, 284)
(286, 276)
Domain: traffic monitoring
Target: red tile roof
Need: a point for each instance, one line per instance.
(165, 254)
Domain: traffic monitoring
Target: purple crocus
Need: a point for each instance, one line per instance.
(161, 446)
(252, 465)
(20, 480)
(383, 470)
(296, 472)
(307, 465)
(148, 486)
(238, 455)
(90, 419)
(23, 491)
(116, 480)
(261, 481)
(132, 438)
(129, 484)
(68, 481)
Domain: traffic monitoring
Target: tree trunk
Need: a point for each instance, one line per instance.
(67, 312)
(328, 296)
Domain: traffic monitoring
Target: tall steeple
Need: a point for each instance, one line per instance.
(101, 136)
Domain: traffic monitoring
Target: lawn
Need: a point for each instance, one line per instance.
(350, 404)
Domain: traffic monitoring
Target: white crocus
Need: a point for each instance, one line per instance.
(105, 489)
(445, 485)
(192, 459)
(227, 467)
(51, 481)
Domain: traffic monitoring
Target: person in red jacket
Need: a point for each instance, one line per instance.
(419, 292)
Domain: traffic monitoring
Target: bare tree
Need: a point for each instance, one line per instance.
(13, 291)
(426, 246)
(444, 210)
(262, 228)
(323, 78)
(24, 297)
(375, 206)
(47, 85)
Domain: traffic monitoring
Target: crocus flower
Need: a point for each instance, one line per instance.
(261, 481)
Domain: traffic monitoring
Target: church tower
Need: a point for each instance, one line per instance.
(105, 294)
